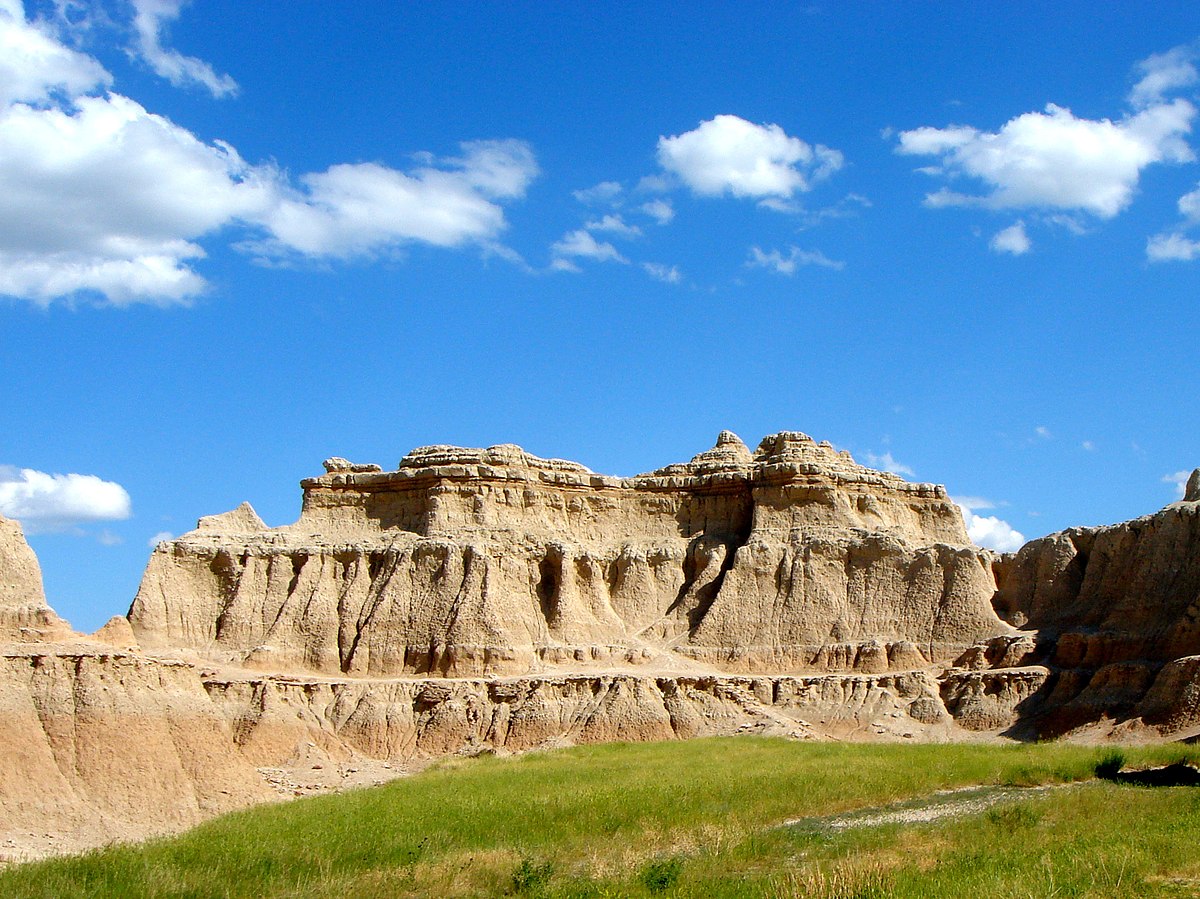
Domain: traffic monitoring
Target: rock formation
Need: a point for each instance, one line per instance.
(24, 615)
(489, 600)
(99, 743)
(469, 562)
(1116, 611)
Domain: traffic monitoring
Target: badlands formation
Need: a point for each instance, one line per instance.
(489, 600)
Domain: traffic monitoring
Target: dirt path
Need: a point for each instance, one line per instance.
(943, 804)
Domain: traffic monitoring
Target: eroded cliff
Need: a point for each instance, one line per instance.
(489, 600)
(467, 562)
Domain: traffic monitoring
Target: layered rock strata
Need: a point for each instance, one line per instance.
(468, 562)
(489, 600)
(100, 743)
(1116, 611)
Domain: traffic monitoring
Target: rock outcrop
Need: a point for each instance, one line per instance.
(468, 562)
(1116, 611)
(24, 614)
(490, 600)
(100, 743)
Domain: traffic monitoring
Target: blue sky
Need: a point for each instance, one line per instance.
(235, 239)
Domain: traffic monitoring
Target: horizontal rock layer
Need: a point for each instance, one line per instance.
(466, 562)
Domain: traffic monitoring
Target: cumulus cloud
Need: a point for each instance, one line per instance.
(580, 244)
(1163, 73)
(1055, 160)
(53, 502)
(358, 209)
(660, 210)
(1189, 205)
(887, 463)
(729, 155)
(796, 257)
(150, 21)
(1172, 248)
(33, 64)
(1012, 239)
(109, 197)
(1179, 479)
(98, 194)
(668, 274)
(604, 193)
(987, 530)
(992, 532)
(613, 224)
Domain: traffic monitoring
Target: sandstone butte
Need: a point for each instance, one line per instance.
(480, 600)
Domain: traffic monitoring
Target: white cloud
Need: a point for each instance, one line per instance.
(1012, 239)
(108, 538)
(33, 65)
(614, 224)
(580, 244)
(972, 502)
(1055, 160)
(787, 265)
(659, 272)
(728, 155)
(564, 265)
(1179, 479)
(1043, 432)
(887, 463)
(659, 210)
(1176, 246)
(1172, 248)
(604, 193)
(992, 532)
(358, 209)
(1163, 73)
(98, 194)
(109, 197)
(1189, 205)
(149, 23)
(1088, 446)
(160, 537)
(53, 502)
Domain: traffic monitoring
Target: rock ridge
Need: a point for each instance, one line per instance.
(489, 561)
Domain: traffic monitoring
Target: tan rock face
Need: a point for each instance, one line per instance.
(474, 561)
(786, 590)
(99, 744)
(24, 614)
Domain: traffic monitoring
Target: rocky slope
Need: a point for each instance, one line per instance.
(1116, 611)
(489, 600)
(100, 743)
(467, 562)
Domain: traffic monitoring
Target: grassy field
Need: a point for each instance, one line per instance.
(695, 819)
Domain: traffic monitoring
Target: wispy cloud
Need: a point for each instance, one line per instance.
(787, 264)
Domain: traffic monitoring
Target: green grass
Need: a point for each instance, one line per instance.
(687, 819)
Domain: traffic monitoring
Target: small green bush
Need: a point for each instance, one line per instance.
(662, 874)
(1110, 763)
(531, 877)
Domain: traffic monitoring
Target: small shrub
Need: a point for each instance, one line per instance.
(1110, 763)
(659, 876)
(531, 877)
